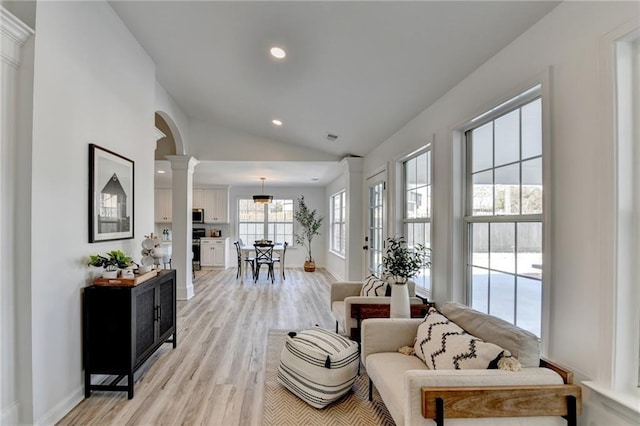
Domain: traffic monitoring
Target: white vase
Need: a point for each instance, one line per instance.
(399, 301)
(110, 274)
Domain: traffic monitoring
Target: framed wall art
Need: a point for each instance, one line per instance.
(111, 179)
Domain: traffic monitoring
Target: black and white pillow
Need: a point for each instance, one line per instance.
(443, 345)
(374, 287)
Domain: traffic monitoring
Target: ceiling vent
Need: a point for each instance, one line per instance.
(331, 137)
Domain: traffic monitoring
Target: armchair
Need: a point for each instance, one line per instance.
(347, 305)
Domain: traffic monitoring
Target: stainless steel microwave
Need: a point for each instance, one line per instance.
(198, 216)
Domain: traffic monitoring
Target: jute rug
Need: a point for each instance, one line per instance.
(282, 408)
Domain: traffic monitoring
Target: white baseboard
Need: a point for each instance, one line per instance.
(62, 408)
(185, 294)
(9, 415)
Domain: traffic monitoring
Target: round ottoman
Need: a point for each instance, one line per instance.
(318, 365)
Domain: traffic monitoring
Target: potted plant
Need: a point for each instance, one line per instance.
(401, 263)
(114, 260)
(310, 225)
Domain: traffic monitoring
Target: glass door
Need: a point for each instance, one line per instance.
(376, 230)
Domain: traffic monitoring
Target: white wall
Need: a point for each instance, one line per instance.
(93, 83)
(566, 42)
(209, 141)
(314, 197)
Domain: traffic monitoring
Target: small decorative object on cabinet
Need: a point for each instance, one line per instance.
(310, 225)
(112, 262)
(401, 263)
(123, 326)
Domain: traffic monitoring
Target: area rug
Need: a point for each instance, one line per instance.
(282, 408)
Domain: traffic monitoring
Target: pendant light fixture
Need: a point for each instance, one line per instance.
(262, 198)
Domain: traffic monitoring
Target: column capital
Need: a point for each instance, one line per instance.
(352, 164)
(182, 162)
(14, 34)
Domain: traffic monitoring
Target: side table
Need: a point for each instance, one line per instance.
(382, 310)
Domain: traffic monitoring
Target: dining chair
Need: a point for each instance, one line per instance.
(280, 259)
(264, 256)
(250, 260)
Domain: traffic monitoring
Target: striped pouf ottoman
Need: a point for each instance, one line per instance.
(318, 365)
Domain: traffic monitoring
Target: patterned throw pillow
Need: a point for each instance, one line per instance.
(374, 287)
(443, 345)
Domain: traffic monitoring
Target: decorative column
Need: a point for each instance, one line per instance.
(16, 395)
(182, 167)
(354, 259)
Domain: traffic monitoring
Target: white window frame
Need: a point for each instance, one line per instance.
(425, 275)
(526, 96)
(619, 366)
(267, 221)
(337, 246)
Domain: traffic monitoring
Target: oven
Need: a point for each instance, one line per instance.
(196, 235)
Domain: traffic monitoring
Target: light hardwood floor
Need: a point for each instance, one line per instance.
(215, 376)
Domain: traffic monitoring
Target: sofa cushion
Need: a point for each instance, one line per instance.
(442, 345)
(523, 345)
(386, 370)
(374, 287)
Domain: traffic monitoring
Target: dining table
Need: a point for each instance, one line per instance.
(278, 249)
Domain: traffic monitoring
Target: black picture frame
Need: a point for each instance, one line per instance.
(111, 195)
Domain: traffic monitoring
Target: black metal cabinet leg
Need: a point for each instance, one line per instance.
(175, 339)
(130, 385)
(87, 384)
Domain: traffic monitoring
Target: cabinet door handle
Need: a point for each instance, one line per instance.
(159, 312)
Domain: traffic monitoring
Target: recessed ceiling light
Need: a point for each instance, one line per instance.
(278, 52)
(161, 172)
(276, 122)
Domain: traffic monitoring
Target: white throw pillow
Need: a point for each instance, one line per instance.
(442, 345)
(374, 287)
(523, 345)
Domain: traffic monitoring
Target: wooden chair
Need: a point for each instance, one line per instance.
(264, 256)
(281, 259)
(248, 259)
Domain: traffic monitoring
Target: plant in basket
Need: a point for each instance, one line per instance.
(310, 225)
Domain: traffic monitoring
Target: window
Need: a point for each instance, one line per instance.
(504, 212)
(272, 221)
(417, 207)
(338, 209)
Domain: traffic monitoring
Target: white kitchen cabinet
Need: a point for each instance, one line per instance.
(163, 206)
(214, 252)
(198, 199)
(216, 205)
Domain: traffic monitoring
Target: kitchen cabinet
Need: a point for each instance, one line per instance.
(214, 252)
(123, 326)
(163, 206)
(216, 205)
(198, 199)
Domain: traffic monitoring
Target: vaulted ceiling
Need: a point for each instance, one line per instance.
(356, 70)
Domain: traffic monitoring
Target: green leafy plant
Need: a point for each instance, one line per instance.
(309, 223)
(115, 259)
(403, 263)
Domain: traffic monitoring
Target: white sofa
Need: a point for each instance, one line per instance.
(343, 295)
(401, 379)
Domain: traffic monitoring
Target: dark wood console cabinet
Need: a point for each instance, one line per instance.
(124, 326)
